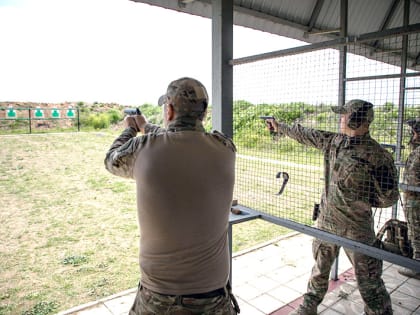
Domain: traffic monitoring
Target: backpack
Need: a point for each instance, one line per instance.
(393, 237)
(385, 183)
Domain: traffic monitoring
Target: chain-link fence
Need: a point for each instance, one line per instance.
(284, 179)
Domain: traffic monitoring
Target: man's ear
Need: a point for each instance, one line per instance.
(170, 112)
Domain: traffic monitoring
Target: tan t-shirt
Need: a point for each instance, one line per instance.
(184, 192)
(185, 184)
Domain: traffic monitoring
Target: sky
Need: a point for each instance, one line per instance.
(108, 51)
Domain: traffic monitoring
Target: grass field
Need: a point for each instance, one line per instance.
(69, 232)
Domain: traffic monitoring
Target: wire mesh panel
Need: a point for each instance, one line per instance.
(277, 175)
(283, 178)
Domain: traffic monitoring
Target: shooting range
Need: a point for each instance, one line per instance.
(70, 236)
(38, 119)
(366, 50)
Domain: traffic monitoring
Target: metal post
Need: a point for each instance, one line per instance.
(334, 269)
(401, 100)
(30, 121)
(230, 251)
(78, 119)
(341, 87)
(222, 76)
(343, 54)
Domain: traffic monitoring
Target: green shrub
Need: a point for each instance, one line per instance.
(115, 116)
(98, 121)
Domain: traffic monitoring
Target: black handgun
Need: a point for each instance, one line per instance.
(270, 125)
(315, 213)
(267, 117)
(132, 111)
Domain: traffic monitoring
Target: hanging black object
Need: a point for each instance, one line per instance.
(285, 180)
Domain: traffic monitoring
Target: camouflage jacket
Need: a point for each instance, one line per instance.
(412, 174)
(351, 167)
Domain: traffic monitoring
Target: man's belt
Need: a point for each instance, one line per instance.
(206, 295)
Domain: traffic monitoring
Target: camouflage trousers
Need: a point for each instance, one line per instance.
(151, 303)
(368, 272)
(412, 215)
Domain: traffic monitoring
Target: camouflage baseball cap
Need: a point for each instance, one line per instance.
(356, 106)
(187, 95)
(414, 124)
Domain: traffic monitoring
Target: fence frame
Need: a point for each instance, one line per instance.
(30, 118)
(341, 44)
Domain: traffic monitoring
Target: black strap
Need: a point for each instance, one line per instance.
(206, 295)
(233, 298)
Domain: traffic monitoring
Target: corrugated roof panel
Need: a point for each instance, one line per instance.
(297, 11)
(366, 19)
(329, 17)
(291, 18)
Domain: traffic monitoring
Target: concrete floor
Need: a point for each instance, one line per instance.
(271, 280)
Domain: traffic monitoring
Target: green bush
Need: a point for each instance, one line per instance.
(98, 121)
(115, 116)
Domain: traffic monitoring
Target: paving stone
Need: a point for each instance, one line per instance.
(330, 311)
(121, 304)
(398, 310)
(264, 284)
(272, 280)
(348, 307)
(247, 309)
(411, 289)
(246, 291)
(99, 309)
(405, 301)
(284, 295)
(299, 284)
(266, 303)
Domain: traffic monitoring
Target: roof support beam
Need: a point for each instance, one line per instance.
(315, 14)
(334, 43)
(388, 17)
(416, 60)
(222, 70)
(271, 18)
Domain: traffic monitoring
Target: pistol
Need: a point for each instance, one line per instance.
(270, 125)
(315, 213)
(267, 117)
(132, 111)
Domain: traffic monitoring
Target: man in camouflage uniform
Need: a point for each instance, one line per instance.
(184, 178)
(411, 189)
(352, 161)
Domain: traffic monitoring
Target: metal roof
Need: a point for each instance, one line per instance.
(315, 21)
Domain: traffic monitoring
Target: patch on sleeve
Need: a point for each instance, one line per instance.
(224, 139)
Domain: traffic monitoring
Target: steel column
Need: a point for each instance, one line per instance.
(222, 75)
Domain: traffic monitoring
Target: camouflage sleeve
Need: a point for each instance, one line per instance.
(412, 170)
(308, 136)
(121, 156)
(384, 180)
(224, 139)
(151, 128)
